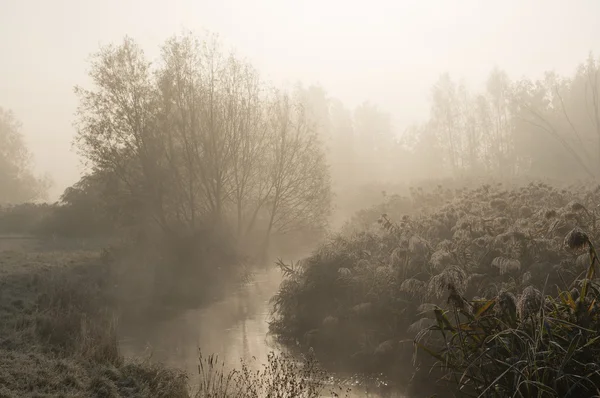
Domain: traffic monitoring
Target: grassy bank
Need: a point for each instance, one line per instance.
(58, 334)
(58, 338)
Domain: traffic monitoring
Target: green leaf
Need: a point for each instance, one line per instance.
(484, 308)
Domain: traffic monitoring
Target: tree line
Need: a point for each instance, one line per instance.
(198, 138)
(547, 127)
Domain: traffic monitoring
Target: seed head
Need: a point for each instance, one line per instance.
(575, 206)
(529, 302)
(576, 239)
(454, 298)
(507, 303)
(525, 211)
(498, 204)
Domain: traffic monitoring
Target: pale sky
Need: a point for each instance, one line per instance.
(388, 52)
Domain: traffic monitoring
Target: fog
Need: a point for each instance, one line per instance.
(313, 178)
(387, 52)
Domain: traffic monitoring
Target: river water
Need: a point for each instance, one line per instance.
(234, 328)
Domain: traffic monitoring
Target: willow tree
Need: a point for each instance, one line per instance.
(199, 140)
(299, 181)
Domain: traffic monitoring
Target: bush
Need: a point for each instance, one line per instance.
(24, 219)
(361, 298)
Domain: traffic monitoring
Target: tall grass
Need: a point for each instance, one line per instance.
(58, 334)
(282, 376)
(360, 299)
(538, 345)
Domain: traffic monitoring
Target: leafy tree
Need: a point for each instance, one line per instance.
(86, 209)
(299, 177)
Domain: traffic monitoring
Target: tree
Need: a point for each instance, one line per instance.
(17, 181)
(89, 208)
(373, 129)
(494, 111)
(566, 113)
(300, 194)
(200, 141)
(444, 118)
(117, 129)
(343, 151)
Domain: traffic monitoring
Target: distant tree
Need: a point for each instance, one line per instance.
(87, 209)
(343, 151)
(559, 118)
(316, 106)
(496, 119)
(299, 178)
(445, 115)
(18, 184)
(423, 153)
(373, 129)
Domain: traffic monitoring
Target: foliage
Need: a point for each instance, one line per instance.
(548, 127)
(359, 298)
(536, 345)
(83, 211)
(25, 218)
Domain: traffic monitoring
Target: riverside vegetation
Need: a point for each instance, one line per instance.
(58, 338)
(364, 299)
(195, 164)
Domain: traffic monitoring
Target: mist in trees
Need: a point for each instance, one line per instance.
(542, 128)
(546, 128)
(17, 179)
(200, 140)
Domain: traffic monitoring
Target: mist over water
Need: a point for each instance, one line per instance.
(404, 152)
(234, 328)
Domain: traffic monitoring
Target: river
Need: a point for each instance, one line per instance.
(234, 328)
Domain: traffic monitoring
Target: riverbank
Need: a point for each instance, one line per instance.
(58, 334)
(59, 337)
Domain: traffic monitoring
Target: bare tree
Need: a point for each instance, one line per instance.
(201, 141)
(300, 184)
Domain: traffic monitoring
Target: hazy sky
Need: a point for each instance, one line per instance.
(386, 51)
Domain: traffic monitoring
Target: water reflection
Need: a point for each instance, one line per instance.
(233, 328)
